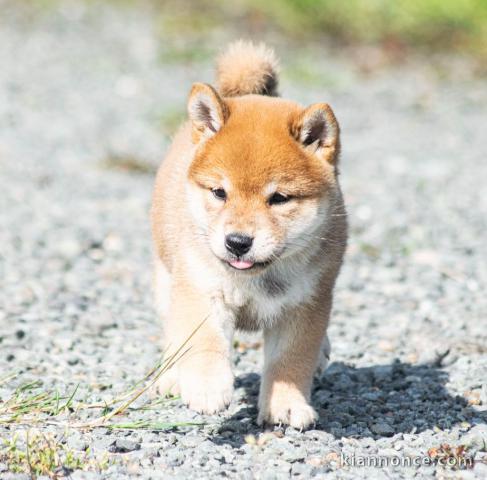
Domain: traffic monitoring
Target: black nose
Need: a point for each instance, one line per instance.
(238, 243)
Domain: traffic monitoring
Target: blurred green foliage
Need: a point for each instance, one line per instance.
(439, 24)
(445, 25)
(429, 25)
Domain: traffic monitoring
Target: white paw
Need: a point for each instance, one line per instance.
(296, 413)
(166, 385)
(206, 390)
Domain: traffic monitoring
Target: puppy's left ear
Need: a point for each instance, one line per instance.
(207, 111)
(317, 130)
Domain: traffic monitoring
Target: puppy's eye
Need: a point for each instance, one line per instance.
(278, 198)
(219, 193)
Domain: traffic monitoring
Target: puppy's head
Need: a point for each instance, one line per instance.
(263, 181)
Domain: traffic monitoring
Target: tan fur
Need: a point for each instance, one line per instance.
(245, 68)
(251, 146)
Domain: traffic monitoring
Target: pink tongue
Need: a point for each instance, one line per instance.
(241, 264)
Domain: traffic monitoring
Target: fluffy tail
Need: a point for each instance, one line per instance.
(246, 68)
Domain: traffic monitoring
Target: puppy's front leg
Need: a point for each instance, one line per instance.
(291, 350)
(204, 377)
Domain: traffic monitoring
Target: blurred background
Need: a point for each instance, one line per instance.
(391, 30)
(326, 44)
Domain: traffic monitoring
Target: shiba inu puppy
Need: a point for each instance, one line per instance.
(249, 230)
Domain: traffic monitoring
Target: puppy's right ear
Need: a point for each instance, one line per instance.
(317, 130)
(207, 111)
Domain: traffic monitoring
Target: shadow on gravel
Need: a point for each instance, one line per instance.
(378, 401)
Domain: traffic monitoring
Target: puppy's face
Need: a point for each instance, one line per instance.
(262, 183)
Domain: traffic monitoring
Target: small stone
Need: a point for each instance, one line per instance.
(333, 459)
(68, 248)
(386, 346)
(480, 469)
(315, 461)
(382, 429)
(472, 397)
(265, 438)
(113, 243)
(191, 441)
(293, 454)
(20, 334)
(302, 469)
(175, 457)
(233, 426)
(476, 437)
(124, 445)
(250, 439)
(82, 475)
(76, 443)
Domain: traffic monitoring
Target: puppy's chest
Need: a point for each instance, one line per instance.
(262, 300)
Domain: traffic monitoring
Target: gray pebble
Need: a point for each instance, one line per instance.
(124, 445)
(383, 429)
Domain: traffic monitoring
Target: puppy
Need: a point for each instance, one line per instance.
(249, 230)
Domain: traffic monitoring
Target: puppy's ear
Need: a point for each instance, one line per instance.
(207, 111)
(317, 130)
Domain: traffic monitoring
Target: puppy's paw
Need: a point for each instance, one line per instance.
(288, 410)
(166, 385)
(206, 387)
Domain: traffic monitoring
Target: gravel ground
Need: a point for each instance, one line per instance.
(87, 91)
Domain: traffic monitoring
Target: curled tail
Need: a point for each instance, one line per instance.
(246, 68)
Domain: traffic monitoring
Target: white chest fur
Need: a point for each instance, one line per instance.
(266, 296)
